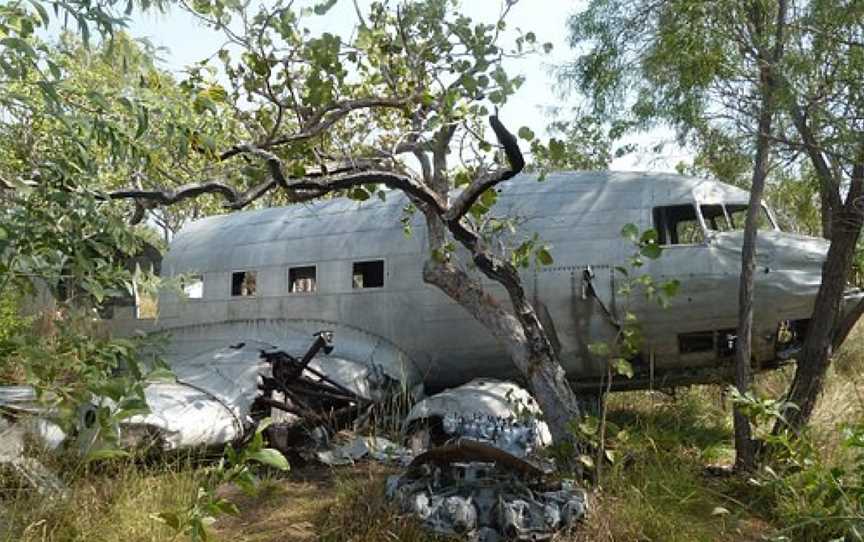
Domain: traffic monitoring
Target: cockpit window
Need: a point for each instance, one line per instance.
(738, 215)
(730, 217)
(715, 217)
(678, 225)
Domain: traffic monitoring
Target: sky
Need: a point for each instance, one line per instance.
(186, 41)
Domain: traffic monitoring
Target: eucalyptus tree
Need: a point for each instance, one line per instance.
(398, 106)
(709, 70)
(733, 80)
(825, 103)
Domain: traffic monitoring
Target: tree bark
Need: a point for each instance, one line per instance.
(524, 339)
(745, 457)
(519, 330)
(822, 333)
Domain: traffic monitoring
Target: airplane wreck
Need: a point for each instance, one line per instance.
(260, 286)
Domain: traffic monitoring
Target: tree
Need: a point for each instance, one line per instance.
(107, 114)
(710, 71)
(767, 57)
(826, 105)
(384, 110)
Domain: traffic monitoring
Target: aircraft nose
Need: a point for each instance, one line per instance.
(791, 251)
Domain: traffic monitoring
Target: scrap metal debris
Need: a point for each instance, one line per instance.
(480, 476)
(498, 413)
(377, 448)
(485, 494)
(476, 472)
(30, 471)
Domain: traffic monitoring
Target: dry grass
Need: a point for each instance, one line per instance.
(110, 506)
(333, 505)
(658, 488)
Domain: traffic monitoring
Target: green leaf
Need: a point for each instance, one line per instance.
(622, 367)
(171, 519)
(599, 349)
(670, 288)
(43, 13)
(544, 257)
(359, 194)
(298, 169)
(630, 231)
(101, 454)
(143, 121)
(19, 45)
(270, 457)
(323, 7)
(526, 133)
(651, 251)
(590, 425)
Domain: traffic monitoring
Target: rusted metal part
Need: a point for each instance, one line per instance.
(468, 451)
(485, 494)
(308, 393)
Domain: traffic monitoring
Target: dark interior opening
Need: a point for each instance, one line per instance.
(243, 283)
(302, 280)
(368, 274)
(678, 225)
(699, 341)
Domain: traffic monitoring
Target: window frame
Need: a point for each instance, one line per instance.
(183, 286)
(302, 266)
(384, 278)
(699, 220)
(231, 294)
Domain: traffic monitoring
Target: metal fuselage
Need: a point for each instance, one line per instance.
(579, 214)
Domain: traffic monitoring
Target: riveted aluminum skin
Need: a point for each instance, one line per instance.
(413, 330)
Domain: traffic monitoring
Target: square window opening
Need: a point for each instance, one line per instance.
(193, 286)
(699, 341)
(302, 280)
(368, 274)
(678, 225)
(243, 283)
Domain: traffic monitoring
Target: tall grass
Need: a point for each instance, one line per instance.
(111, 504)
(657, 489)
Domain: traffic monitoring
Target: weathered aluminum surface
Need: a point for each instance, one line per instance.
(431, 338)
(501, 414)
(209, 404)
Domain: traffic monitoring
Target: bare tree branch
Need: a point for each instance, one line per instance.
(516, 162)
(169, 197)
(322, 121)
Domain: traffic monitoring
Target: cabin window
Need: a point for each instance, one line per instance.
(699, 341)
(721, 342)
(729, 217)
(678, 225)
(193, 286)
(302, 280)
(368, 274)
(243, 283)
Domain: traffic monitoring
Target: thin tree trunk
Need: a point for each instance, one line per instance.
(745, 457)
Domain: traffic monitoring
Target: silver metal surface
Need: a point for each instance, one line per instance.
(414, 331)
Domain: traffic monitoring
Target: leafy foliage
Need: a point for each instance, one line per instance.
(235, 467)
